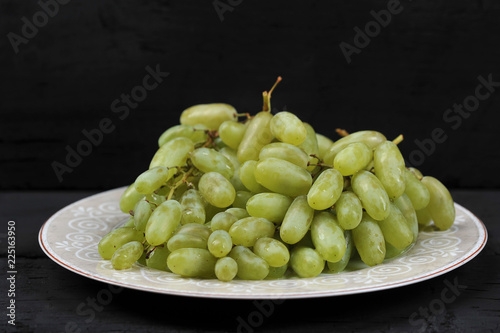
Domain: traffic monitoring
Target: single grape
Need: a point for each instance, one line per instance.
(370, 138)
(285, 151)
(274, 252)
(220, 243)
(395, 229)
(324, 145)
(127, 255)
(210, 160)
(389, 167)
(226, 269)
(163, 221)
(326, 190)
(216, 189)
(372, 194)
(191, 262)
(247, 230)
(232, 133)
(142, 212)
(129, 198)
(211, 115)
(151, 180)
(238, 212)
(310, 146)
(271, 206)
(328, 237)
(193, 207)
(172, 154)
(241, 199)
(339, 266)
(250, 265)
(158, 258)
(223, 221)
(440, 207)
(297, 221)
(352, 158)
(283, 177)
(349, 210)
(257, 135)
(287, 127)
(306, 262)
(197, 133)
(369, 241)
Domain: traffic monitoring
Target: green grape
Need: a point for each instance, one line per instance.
(389, 167)
(151, 180)
(142, 212)
(183, 240)
(192, 262)
(306, 262)
(339, 266)
(129, 198)
(326, 190)
(210, 160)
(116, 238)
(238, 212)
(288, 128)
(250, 265)
(395, 229)
(247, 230)
(274, 252)
(226, 269)
(172, 154)
(285, 151)
(440, 207)
(352, 158)
(236, 181)
(416, 191)
(372, 194)
(310, 146)
(130, 222)
(154, 200)
(370, 138)
(232, 133)
(163, 221)
(328, 237)
(276, 272)
(283, 177)
(241, 199)
(369, 241)
(223, 221)
(271, 206)
(349, 210)
(197, 133)
(158, 258)
(324, 145)
(195, 229)
(423, 217)
(405, 206)
(247, 177)
(220, 243)
(257, 135)
(219, 144)
(416, 172)
(193, 207)
(127, 255)
(216, 189)
(211, 115)
(297, 220)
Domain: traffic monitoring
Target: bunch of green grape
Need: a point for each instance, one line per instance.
(264, 196)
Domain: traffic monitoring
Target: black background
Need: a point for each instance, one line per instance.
(64, 79)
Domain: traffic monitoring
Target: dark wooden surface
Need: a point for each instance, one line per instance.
(48, 296)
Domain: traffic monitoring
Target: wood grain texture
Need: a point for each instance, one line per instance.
(49, 297)
(65, 79)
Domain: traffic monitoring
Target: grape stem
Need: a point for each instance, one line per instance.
(180, 182)
(342, 132)
(267, 96)
(398, 139)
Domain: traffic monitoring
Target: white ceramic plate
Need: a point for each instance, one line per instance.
(70, 238)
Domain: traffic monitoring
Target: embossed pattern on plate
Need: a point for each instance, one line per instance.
(70, 238)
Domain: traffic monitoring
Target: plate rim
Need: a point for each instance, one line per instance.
(298, 295)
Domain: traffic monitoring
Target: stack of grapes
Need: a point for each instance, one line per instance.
(265, 196)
